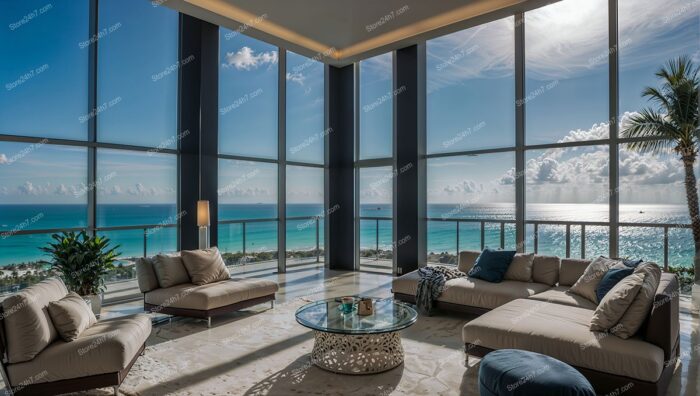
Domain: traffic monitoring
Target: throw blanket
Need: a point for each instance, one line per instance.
(432, 283)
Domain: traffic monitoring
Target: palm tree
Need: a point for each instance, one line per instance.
(673, 127)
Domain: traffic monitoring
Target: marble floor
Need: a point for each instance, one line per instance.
(263, 351)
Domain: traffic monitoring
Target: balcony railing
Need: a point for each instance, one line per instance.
(536, 226)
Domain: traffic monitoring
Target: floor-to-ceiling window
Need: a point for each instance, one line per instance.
(374, 163)
(573, 171)
(263, 188)
(66, 155)
(470, 140)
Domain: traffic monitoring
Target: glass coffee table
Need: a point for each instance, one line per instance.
(354, 344)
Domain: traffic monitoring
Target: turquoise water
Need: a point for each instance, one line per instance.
(642, 242)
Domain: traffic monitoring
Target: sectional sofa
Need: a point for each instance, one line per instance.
(540, 316)
(36, 361)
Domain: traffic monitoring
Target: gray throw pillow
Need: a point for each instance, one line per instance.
(520, 268)
(170, 270)
(145, 275)
(205, 266)
(587, 284)
(638, 311)
(71, 316)
(616, 302)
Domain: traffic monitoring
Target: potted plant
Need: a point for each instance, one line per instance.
(82, 261)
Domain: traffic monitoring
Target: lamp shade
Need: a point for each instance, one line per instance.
(203, 214)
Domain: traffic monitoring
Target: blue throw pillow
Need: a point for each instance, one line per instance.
(491, 265)
(610, 279)
(631, 263)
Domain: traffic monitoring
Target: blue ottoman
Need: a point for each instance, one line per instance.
(515, 372)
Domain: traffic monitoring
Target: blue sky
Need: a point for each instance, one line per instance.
(470, 104)
(471, 94)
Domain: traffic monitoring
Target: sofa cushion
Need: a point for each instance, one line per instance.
(107, 347)
(563, 333)
(520, 268)
(571, 269)
(211, 295)
(467, 259)
(587, 284)
(28, 326)
(145, 275)
(492, 265)
(406, 284)
(559, 295)
(170, 270)
(610, 279)
(638, 311)
(545, 269)
(205, 266)
(487, 295)
(71, 316)
(616, 302)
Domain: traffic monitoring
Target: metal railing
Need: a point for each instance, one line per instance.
(568, 232)
(376, 240)
(245, 222)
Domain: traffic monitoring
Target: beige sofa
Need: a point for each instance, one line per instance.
(540, 316)
(201, 301)
(100, 357)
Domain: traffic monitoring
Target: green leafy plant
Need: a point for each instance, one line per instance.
(686, 276)
(673, 127)
(82, 260)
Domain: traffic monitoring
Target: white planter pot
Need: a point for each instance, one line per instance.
(95, 303)
(695, 300)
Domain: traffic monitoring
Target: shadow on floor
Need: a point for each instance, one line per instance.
(303, 378)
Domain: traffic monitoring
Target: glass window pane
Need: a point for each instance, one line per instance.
(652, 188)
(137, 74)
(568, 184)
(653, 32)
(566, 67)
(376, 108)
(442, 242)
(247, 190)
(305, 109)
(19, 258)
(43, 71)
(305, 199)
(376, 187)
(247, 96)
(42, 186)
(471, 88)
(135, 188)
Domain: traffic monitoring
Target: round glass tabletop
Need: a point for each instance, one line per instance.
(326, 316)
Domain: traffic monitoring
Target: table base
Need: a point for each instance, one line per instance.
(357, 354)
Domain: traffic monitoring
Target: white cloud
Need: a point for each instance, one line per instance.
(3, 159)
(567, 39)
(297, 77)
(28, 188)
(247, 59)
(464, 187)
(246, 192)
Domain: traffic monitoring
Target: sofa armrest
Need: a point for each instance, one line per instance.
(663, 326)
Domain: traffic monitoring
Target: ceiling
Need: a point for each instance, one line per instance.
(340, 32)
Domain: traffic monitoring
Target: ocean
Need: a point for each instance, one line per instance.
(639, 242)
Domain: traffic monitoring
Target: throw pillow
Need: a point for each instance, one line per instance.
(587, 284)
(611, 278)
(492, 265)
(71, 316)
(170, 270)
(205, 266)
(638, 311)
(616, 302)
(520, 268)
(145, 275)
(631, 263)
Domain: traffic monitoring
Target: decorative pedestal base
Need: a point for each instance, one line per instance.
(357, 354)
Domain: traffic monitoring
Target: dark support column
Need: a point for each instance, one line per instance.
(614, 176)
(92, 122)
(409, 192)
(340, 214)
(520, 227)
(198, 126)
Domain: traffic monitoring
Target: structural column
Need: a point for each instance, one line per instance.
(339, 197)
(198, 127)
(409, 207)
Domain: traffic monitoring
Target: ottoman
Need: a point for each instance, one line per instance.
(515, 372)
